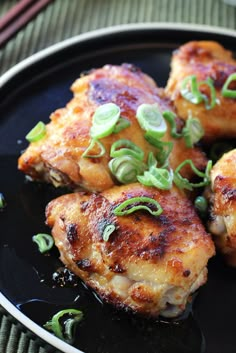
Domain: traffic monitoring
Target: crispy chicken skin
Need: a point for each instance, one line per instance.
(223, 209)
(204, 59)
(57, 158)
(150, 264)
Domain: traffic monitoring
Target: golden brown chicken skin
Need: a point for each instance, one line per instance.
(204, 59)
(150, 264)
(223, 209)
(57, 157)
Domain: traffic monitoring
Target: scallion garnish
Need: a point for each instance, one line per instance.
(151, 161)
(37, 133)
(88, 152)
(126, 168)
(63, 324)
(226, 91)
(138, 203)
(171, 118)
(104, 120)
(190, 91)
(121, 124)
(108, 230)
(151, 120)
(2, 201)
(44, 241)
(184, 183)
(164, 148)
(126, 147)
(158, 177)
(200, 204)
(192, 132)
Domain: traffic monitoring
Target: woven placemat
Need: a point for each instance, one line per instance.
(63, 19)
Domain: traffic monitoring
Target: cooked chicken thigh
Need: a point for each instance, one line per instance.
(223, 212)
(57, 157)
(204, 59)
(150, 264)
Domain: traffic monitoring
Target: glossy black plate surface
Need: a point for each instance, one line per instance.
(30, 94)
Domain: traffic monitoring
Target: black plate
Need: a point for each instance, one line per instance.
(29, 93)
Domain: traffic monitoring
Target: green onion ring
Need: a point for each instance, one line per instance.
(226, 92)
(108, 230)
(194, 95)
(192, 132)
(184, 183)
(126, 168)
(158, 177)
(121, 124)
(91, 146)
(138, 203)
(151, 120)
(164, 148)
(44, 241)
(191, 94)
(104, 120)
(64, 331)
(171, 118)
(124, 147)
(37, 133)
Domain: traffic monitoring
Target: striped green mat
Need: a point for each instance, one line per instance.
(66, 18)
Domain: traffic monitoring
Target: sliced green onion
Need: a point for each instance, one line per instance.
(200, 204)
(2, 201)
(171, 118)
(192, 132)
(164, 148)
(37, 133)
(226, 92)
(151, 161)
(158, 177)
(92, 144)
(44, 241)
(126, 168)
(63, 324)
(109, 229)
(126, 147)
(138, 203)
(121, 124)
(194, 95)
(151, 120)
(104, 120)
(184, 183)
(218, 149)
(209, 82)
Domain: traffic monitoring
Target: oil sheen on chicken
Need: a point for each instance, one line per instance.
(223, 211)
(204, 59)
(57, 157)
(150, 264)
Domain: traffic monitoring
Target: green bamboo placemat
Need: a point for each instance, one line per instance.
(63, 19)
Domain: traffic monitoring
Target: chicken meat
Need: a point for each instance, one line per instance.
(222, 222)
(58, 156)
(204, 60)
(149, 264)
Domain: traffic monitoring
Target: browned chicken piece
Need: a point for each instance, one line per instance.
(223, 211)
(150, 264)
(57, 157)
(204, 59)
